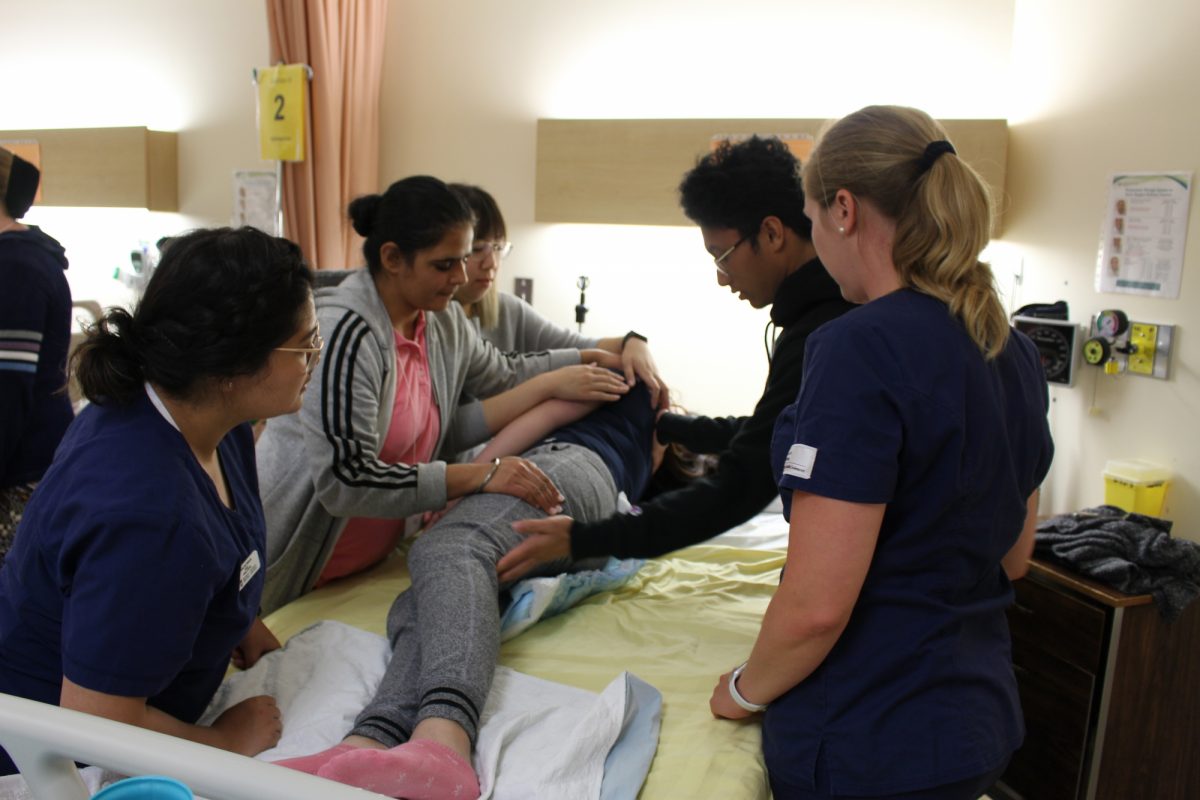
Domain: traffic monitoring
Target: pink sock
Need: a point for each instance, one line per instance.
(314, 762)
(417, 770)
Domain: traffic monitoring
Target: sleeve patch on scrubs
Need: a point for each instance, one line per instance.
(799, 463)
(250, 568)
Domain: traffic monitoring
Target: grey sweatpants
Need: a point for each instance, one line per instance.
(445, 629)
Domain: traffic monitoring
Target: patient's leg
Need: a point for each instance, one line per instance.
(389, 719)
(391, 715)
(448, 622)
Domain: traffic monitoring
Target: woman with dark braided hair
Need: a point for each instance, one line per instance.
(909, 469)
(136, 572)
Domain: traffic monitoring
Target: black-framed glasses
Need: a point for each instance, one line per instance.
(480, 250)
(311, 354)
(720, 260)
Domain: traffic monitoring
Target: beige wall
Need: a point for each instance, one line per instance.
(1089, 87)
(466, 81)
(1102, 88)
(165, 65)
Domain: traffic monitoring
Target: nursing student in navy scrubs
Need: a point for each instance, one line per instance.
(137, 569)
(909, 467)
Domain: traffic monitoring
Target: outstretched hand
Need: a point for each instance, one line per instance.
(587, 382)
(524, 479)
(601, 358)
(546, 540)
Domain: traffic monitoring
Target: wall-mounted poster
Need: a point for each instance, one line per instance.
(1144, 233)
(256, 200)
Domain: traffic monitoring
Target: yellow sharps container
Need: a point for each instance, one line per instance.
(1137, 486)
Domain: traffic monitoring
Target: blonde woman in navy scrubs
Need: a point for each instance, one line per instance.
(909, 468)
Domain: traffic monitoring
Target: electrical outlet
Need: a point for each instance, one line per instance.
(523, 288)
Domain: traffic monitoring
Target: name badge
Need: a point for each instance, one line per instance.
(250, 568)
(799, 462)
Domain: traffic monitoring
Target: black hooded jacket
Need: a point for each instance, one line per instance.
(743, 483)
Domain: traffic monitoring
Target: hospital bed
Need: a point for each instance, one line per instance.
(677, 624)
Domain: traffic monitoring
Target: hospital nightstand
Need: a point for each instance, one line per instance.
(1110, 691)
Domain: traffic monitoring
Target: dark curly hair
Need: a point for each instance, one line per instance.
(740, 184)
(216, 306)
(414, 214)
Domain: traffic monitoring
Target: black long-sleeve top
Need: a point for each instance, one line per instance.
(35, 336)
(743, 483)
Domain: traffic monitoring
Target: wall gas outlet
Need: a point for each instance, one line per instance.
(1143, 341)
(1137, 348)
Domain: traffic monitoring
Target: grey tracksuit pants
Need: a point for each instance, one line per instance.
(445, 629)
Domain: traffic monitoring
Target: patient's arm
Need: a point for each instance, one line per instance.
(247, 728)
(531, 427)
(581, 382)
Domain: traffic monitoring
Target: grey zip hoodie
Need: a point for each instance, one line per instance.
(320, 466)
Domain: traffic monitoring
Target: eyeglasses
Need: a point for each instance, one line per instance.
(719, 260)
(480, 250)
(311, 354)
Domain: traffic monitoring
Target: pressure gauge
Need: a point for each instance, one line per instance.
(1111, 323)
(1055, 341)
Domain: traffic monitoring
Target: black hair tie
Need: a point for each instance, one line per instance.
(934, 151)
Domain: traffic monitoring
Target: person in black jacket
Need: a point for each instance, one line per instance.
(748, 200)
(35, 335)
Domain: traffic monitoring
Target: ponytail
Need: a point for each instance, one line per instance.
(898, 158)
(106, 364)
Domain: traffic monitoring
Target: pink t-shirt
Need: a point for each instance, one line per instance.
(411, 437)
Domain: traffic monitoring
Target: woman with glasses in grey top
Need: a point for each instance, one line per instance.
(511, 324)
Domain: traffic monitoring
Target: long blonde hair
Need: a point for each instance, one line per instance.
(942, 210)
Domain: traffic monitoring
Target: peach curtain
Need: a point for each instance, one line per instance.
(342, 40)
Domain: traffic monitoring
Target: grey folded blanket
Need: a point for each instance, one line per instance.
(1130, 552)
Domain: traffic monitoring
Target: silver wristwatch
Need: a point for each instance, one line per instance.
(737, 696)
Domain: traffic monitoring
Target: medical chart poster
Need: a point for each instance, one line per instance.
(1144, 234)
(256, 200)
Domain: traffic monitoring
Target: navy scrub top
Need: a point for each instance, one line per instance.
(898, 406)
(128, 574)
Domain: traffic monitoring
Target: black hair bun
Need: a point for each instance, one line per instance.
(363, 211)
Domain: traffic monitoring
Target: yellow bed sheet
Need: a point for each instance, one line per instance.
(678, 624)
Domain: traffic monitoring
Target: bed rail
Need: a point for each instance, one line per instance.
(45, 741)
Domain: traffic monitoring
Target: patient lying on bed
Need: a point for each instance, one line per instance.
(414, 739)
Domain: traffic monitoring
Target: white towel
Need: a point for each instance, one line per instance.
(537, 738)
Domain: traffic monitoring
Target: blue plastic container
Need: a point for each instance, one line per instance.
(146, 787)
